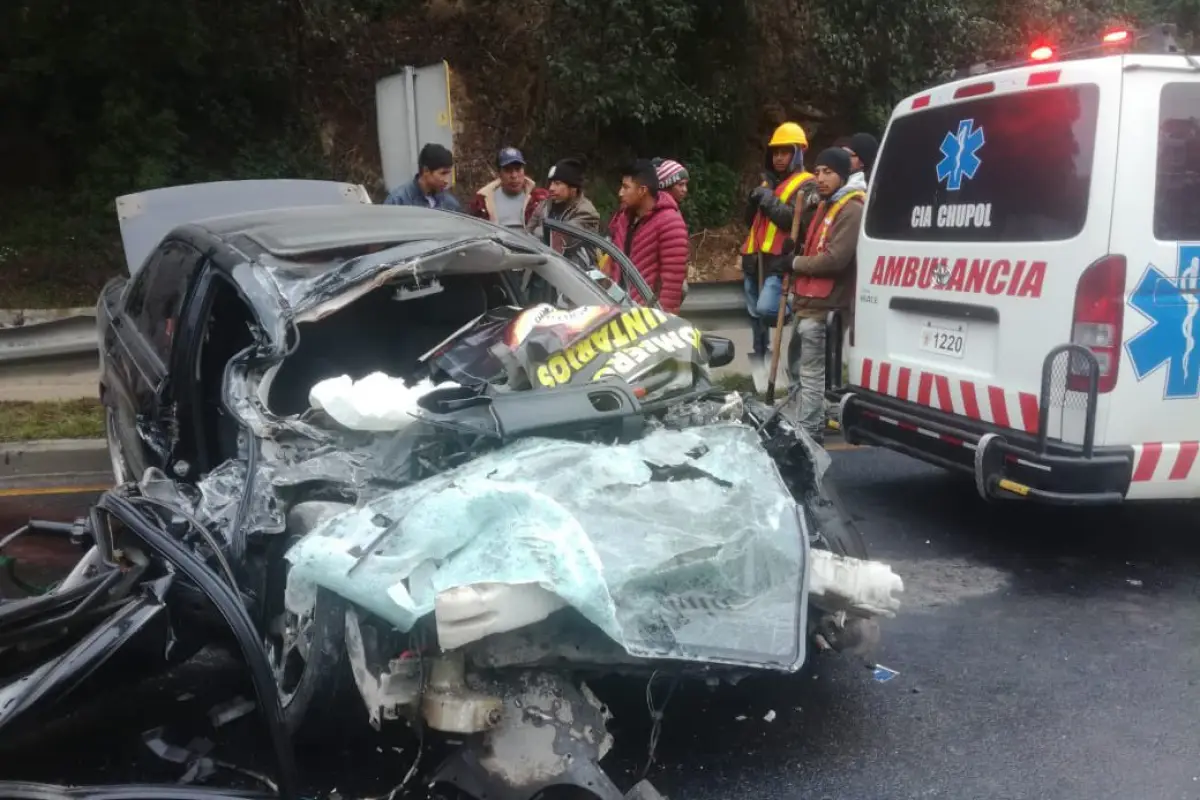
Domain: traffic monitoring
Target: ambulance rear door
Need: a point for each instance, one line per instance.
(1156, 227)
(990, 198)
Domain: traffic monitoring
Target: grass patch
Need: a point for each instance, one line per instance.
(58, 419)
(735, 382)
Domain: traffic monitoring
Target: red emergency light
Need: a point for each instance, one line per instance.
(1043, 53)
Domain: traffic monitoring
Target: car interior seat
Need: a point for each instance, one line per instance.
(378, 332)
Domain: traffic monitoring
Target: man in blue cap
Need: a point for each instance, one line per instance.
(510, 199)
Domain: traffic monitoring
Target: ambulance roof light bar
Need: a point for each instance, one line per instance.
(1153, 39)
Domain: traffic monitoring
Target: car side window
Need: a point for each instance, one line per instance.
(155, 297)
(1176, 215)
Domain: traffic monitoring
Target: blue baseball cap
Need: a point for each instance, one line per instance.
(510, 155)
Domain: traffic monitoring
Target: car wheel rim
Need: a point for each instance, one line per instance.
(289, 643)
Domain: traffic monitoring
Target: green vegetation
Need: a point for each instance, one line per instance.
(99, 104)
(735, 382)
(60, 419)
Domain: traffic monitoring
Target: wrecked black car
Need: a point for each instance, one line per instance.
(410, 458)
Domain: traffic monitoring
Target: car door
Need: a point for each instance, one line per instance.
(589, 250)
(138, 354)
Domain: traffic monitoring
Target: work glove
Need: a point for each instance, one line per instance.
(761, 195)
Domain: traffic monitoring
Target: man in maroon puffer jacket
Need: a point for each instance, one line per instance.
(651, 232)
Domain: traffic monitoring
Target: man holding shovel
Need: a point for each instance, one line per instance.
(784, 201)
(824, 281)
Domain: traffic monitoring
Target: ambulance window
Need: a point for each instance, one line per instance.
(1176, 213)
(1005, 168)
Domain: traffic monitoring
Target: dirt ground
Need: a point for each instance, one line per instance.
(715, 255)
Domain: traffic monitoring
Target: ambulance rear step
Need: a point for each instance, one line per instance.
(1006, 464)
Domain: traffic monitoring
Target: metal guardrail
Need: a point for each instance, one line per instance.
(47, 341)
(716, 306)
(709, 306)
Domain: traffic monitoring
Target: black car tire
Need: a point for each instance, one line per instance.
(324, 694)
(321, 696)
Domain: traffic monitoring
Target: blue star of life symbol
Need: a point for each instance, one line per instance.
(1172, 306)
(959, 154)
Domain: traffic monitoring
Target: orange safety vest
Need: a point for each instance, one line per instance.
(764, 234)
(819, 287)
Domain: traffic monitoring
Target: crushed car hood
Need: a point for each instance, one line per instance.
(681, 545)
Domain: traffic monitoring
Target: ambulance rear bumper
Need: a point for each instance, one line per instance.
(1006, 464)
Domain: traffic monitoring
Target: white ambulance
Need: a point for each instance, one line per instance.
(1026, 308)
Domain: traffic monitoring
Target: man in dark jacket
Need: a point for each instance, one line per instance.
(565, 200)
(651, 232)
(824, 281)
(430, 187)
(769, 212)
(862, 148)
(567, 203)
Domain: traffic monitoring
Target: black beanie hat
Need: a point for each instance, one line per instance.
(569, 171)
(434, 157)
(837, 160)
(865, 146)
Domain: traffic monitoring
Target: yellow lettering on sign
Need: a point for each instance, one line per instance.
(619, 339)
(635, 325)
(586, 352)
(572, 357)
(559, 368)
(600, 339)
(621, 362)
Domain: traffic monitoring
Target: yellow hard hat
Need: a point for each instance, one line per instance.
(789, 133)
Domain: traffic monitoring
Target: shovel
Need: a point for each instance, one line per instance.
(788, 246)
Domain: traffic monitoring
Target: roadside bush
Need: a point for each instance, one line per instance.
(712, 193)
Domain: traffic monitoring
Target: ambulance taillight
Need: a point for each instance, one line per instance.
(1099, 312)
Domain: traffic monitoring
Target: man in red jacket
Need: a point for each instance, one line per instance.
(651, 232)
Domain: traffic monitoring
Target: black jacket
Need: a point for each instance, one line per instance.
(780, 213)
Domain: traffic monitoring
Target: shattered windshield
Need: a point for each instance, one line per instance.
(681, 545)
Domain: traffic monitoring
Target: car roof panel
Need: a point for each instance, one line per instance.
(298, 232)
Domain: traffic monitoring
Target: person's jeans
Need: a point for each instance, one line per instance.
(806, 368)
(763, 308)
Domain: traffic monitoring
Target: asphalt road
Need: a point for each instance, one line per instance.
(1041, 654)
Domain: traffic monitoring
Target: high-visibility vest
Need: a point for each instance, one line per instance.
(764, 234)
(818, 233)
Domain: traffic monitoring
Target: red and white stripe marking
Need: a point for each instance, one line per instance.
(908, 426)
(1017, 410)
(1163, 470)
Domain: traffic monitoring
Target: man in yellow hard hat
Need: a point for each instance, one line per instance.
(766, 256)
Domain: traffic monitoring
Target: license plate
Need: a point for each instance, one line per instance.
(944, 340)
